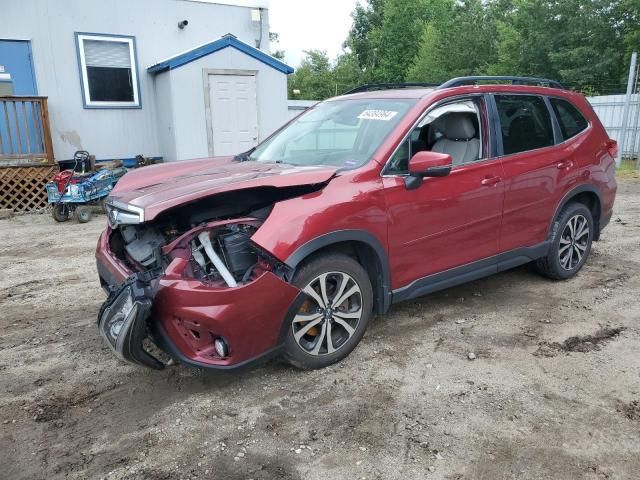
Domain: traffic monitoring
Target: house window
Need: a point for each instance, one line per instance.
(108, 71)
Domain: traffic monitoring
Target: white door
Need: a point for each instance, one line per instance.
(234, 113)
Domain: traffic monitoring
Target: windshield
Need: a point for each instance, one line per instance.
(343, 133)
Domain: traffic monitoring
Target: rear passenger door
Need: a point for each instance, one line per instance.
(534, 168)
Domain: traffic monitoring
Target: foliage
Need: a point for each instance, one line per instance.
(585, 44)
(313, 78)
(459, 43)
(317, 78)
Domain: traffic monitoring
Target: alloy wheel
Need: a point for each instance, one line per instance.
(574, 242)
(330, 315)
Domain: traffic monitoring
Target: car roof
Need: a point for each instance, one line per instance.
(396, 93)
(417, 93)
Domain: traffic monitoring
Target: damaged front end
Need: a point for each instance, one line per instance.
(196, 286)
(122, 320)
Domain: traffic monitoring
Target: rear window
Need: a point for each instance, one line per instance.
(525, 122)
(571, 121)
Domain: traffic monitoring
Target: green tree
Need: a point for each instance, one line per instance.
(366, 19)
(428, 66)
(459, 43)
(347, 73)
(585, 44)
(397, 39)
(313, 78)
(581, 43)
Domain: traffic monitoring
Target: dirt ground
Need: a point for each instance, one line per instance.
(553, 393)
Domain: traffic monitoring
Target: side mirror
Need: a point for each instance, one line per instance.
(427, 164)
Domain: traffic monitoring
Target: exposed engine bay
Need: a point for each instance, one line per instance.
(214, 234)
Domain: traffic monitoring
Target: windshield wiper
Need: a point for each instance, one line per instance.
(244, 156)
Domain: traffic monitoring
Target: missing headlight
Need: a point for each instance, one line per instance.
(122, 321)
(225, 254)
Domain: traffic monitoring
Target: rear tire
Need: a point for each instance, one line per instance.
(61, 212)
(333, 319)
(571, 240)
(83, 213)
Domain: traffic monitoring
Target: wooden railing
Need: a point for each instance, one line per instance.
(25, 134)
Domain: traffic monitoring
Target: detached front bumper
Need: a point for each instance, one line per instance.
(184, 317)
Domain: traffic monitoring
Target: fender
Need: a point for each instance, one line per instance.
(568, 196)
(361, 236)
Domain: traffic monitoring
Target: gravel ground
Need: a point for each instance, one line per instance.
(510, 377)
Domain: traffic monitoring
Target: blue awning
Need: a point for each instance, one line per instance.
(227, 40)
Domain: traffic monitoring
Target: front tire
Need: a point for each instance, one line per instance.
(61, 212)
(570, 243)
(335, 314)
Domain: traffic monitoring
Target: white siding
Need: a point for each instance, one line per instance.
(164, 117)
(297, 107)
(114, 133)
(188, 100)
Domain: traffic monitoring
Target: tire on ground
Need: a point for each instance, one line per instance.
(83, 213)
(61, 212)
(549, 265)
(315, 266)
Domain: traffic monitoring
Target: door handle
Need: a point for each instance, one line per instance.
(491, 181)
(564, 164)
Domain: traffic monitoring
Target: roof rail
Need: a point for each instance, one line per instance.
(388, 86)
(460, 81)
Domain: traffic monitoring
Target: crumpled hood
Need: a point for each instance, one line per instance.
(160, 187)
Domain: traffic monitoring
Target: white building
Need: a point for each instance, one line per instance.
(164, 78)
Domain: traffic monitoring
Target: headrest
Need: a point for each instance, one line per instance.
(523, 123)
(456, 126)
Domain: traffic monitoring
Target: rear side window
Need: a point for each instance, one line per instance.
(525, 122)
(571, 121)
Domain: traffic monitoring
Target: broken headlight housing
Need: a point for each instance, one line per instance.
(122, 320)
(119, 213)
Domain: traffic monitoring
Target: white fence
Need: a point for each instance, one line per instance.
(610, 110)
(296, 107)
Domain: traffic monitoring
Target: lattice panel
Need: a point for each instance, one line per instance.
(22, 188)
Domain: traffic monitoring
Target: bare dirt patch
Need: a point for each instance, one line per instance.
(580, 343)
(631, 410)
(407, 404)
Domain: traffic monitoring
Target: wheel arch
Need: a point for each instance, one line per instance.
(368, 251)
(588, 195)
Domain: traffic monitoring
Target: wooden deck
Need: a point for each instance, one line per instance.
(26, 153)
(25, 133)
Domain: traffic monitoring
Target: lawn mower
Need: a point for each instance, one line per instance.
(77, 190)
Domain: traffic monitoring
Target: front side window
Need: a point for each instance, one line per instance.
(108, 71)
(525, 122)
(571, 121)
(453, 128)
(342, 133)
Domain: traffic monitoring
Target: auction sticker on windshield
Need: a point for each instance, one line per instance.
(384, 115)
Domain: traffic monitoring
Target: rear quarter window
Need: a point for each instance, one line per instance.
(571, 121)
(525, 122)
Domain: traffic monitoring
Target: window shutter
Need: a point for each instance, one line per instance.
(100, 53)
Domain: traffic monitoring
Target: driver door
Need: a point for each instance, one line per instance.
(450, 221)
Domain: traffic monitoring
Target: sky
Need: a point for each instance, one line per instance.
(310, 24)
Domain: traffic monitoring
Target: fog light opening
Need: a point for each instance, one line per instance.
(221, 347)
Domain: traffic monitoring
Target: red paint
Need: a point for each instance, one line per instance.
(423, 161)
(479, 210)
(160, 187)
(248, 317)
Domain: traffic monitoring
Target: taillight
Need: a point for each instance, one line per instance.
(612, 148)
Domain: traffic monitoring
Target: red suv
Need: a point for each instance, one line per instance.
(368, 199)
